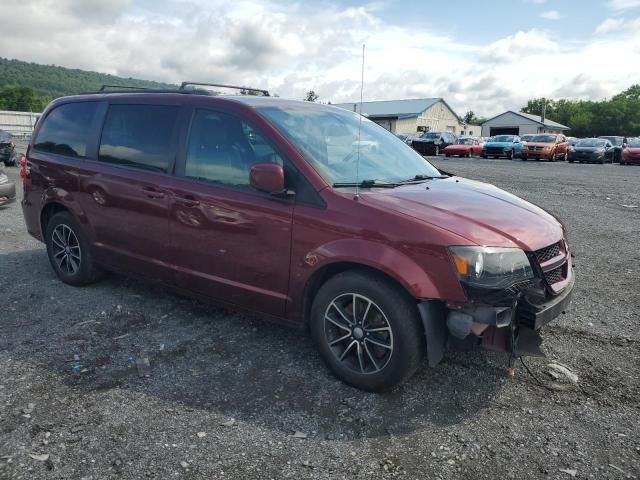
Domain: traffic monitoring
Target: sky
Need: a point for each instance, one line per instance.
(486, 56)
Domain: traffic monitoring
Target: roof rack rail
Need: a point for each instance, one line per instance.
(104, 87)
(184, 85)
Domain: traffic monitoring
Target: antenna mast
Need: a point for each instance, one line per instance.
(357, 196)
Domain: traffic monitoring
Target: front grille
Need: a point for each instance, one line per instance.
(547, 253)
(495, 150)
(554, 276)
(534, 148)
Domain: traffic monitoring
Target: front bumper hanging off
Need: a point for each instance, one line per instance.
(511, 329)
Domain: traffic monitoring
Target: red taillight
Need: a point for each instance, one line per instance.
(24, 170)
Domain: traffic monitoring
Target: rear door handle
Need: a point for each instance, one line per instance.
(187, 201)
(153, 192)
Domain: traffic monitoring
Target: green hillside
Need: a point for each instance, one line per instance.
(52, 81)
(30, 86)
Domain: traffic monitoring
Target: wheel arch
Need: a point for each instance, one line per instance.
(48, 211)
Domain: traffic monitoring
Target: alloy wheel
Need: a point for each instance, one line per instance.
(358, 333)
(66, 249)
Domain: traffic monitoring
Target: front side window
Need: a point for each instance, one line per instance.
(331, 140)
(140, 136)
(222, 149)
(66, 129)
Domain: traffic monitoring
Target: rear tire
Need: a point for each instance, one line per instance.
(68, 251)
(375, 346)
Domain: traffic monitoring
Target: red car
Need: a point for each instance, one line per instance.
(465, 147)
(303, 213)
(631, 152)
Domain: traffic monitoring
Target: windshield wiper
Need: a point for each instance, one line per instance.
(367, 184)
(421, 178)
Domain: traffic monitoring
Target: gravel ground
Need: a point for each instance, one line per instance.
(127, 380)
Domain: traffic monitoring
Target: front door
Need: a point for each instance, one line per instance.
(229, 241)
(123, 193)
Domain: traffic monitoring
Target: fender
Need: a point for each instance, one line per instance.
(384, 258)
(380, 257)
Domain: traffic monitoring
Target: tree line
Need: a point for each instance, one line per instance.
(619, 115)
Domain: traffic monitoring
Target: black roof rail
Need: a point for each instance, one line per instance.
(104, 87)
(184, 85)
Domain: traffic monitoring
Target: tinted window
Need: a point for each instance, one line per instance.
(66, 129)
(223, 148)
(139, 135)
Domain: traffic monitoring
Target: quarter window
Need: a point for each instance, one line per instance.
(66, 129)
(140, 136)
(223, 148)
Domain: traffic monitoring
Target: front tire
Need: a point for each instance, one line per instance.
(68, 251)
(368, 330)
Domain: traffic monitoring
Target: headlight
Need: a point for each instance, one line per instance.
(547, 149)
(571, 149)
(600, 150)
(490, 267)
(3, 179)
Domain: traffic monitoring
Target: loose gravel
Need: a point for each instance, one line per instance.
(126, 380)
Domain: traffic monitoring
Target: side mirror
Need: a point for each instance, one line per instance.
(267, 177)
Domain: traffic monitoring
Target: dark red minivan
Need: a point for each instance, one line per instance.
(303, 213)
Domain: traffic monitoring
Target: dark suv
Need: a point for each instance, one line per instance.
(433, 143)
(301, 212)
(7, 149)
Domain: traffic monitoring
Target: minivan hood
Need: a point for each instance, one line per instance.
(479, 212)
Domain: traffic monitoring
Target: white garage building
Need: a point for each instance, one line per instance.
(518, 123)
(413, 116)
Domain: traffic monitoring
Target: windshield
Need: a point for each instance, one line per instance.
(591, 142)
(465, 141)
(617, 141)
(633, 143)
(503, 138)
(431, 135)
(544, 139)
(328, 139)
(526, 138)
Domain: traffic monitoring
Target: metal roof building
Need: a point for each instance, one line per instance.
(518, 123)
(18, 123)
(412, 116)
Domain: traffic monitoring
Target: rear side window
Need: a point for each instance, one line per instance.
(66, 129)
(140, 136)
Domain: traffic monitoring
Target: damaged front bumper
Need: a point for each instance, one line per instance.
(499, 328)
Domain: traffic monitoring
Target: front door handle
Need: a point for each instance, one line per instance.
(187, 201)
(153, 192)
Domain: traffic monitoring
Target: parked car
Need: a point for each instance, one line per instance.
(573, 140)
(508, 146)
(631, 152)
(597, 150)
(402, 136)
(526, 138)
(464, 147)
(7, 189)
(618, 144)
(238, 199)
(7, 149)
(546, 146)
(433, 143)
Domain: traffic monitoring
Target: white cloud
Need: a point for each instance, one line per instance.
(618, 25)
(620, 5)
(609, 25)
(551, 15)
(290, 49)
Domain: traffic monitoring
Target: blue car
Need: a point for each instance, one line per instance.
(509, 146)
